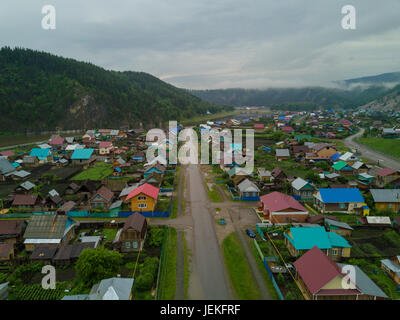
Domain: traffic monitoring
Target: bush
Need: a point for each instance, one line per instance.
(3, 277)
(144, 281)
(156, 237)
(290, 296)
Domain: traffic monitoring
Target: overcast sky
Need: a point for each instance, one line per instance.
(208, 44)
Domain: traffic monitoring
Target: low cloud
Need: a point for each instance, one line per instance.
(215, 44)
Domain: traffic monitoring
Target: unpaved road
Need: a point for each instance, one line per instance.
(208, 278)
(371, 154)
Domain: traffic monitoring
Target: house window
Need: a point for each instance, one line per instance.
(135, 244)
(390, 205)
(142, 205)
(334, 252)
(127, 245)
(141, 198)
(342, 205)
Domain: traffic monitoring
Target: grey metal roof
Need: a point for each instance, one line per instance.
(27, 185)
(358, 165)
(20, 174)
(120, 287)
(76, 297)
(263, 172)
(248, 186)
(299, 183)
(116, 204)
(386, 195)
(95, 239)
(339, 224)
(6, 166)
(282, 152)
(46, 227)
(391, 266)
(332, 175)
(365, 284)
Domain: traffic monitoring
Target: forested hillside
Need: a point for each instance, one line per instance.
(293, 97)
(41, 91)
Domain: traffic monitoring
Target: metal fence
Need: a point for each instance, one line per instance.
(270, 274)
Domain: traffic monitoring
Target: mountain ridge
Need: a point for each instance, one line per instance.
(40, 91)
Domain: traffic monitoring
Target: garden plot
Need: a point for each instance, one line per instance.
(374, 243)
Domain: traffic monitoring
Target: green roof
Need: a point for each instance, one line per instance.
(340, 165)
(302, 136)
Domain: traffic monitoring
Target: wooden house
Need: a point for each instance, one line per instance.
(343, 169)
(102, 198)
(281, 208)
(105, 147)
(6, 252)
(341, 228)
(385, 176)
(348, 200)
(131, 237)
(320, 278)
(392, 267)
(282, 154)
(49, 230)
(303, 189)
(143, 198)
(82, 156)
(386, 199)
(11, 231)
(299, 240)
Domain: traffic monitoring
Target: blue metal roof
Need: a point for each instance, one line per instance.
(40, 153)
(307, 238)
(341, 195)
(82, 154)
(337, 240)
(336, 156)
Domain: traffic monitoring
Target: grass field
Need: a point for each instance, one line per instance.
(263, 271)
(187, 261)
(199, 119)
(96, 173)
(239, 271)
(214, 194)
(167, 281)
(390, 146)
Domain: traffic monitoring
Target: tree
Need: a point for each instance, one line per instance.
(290, 296)
(313, 177)
(94, 265)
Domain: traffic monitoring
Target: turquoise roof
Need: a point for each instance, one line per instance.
(337, 241)
(82, 154)
(40, 153)
(307, 238)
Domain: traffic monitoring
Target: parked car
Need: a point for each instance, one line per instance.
(250, 233)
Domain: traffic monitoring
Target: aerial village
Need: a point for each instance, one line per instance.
(313, 205)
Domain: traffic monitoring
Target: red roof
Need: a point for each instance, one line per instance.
(24, 200)
(57, 141)
(345, 121)
(146, 189)
(106, 193)
(277, 201)
(7, 153)
(316, 270)
(385, 172)
(105, 144)
(259, 126)
(287, 129)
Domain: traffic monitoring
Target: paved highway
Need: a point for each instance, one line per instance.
(372, 154)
